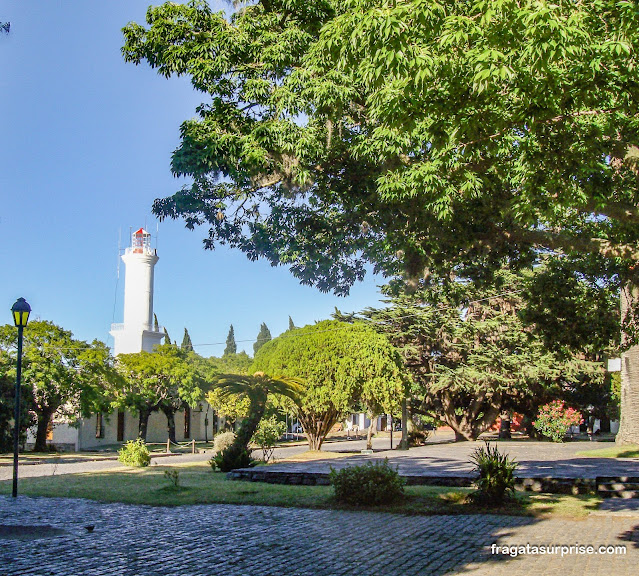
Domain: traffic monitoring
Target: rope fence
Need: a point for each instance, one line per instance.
(190, 443)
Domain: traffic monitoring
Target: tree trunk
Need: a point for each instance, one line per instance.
(369, 433)
(170, 423)
(314, 442)
(144, 423)
(44, 418)
(629, 422)
(462, 432)
(461, 437)
(490, 413)
(504, 426)
(317, 426)
(250, 423)
(469, 424)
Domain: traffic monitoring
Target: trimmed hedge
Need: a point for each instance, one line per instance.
(368, 485)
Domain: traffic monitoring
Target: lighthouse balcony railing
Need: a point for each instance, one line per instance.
(146, 327)
(147, 250)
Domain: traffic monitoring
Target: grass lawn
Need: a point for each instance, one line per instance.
(199, 485)
(628, 451)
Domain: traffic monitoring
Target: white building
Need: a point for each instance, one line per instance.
(135, 334)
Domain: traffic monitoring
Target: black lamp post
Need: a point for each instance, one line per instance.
(20, 311)
(206, 425)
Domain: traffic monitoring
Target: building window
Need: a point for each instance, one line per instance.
(187, 422)
(121, 426)
(99, 425)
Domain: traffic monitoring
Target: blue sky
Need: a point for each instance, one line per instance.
(84, 150)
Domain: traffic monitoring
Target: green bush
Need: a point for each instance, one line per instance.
(231, 458)
(268, 433)
(173, 476)
(613, 407)
(227, 455)
(367, 485)
(496, 482)
(134, 453)
(417, 437)
(223, 441)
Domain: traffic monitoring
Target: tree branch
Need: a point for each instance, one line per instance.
(622, 212)
(554, 240)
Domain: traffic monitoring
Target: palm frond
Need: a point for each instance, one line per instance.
(258, 385)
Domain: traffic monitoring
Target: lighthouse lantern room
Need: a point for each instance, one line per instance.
(137, 332)
(141, 242)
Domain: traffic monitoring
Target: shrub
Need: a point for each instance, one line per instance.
(231, 458)
(612, 410)
(173, 476)
(417, 437)
(223, 441)
(134, 453)
(496, 481)
(367, 485)
(268, 432)
(555, 419)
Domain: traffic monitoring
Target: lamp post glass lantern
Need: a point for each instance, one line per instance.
(20, 311)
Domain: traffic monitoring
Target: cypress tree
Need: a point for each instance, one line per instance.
(186, 341)
(262, 338)
(291, 326)
(156, 324)
(231, 346)
(167, 338)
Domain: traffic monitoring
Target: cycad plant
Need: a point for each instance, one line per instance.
(256, 388)
(496, 482)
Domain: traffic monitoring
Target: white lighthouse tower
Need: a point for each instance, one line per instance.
(137, 333)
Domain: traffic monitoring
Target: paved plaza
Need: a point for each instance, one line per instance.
(441, 457)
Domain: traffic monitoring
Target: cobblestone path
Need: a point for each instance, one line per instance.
(259, 541)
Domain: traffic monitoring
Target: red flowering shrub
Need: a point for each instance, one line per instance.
(555, 419)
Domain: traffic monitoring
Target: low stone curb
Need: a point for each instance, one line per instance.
(547, 484)
(304, 478)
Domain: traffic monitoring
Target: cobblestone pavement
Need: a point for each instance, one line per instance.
(260, 541)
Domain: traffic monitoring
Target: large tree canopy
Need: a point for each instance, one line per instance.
(430, 128)
(416, 135)
(340, 364)
(166, 380)
(269, 177)
(471, 357)
(66, 377)
(7, 403)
